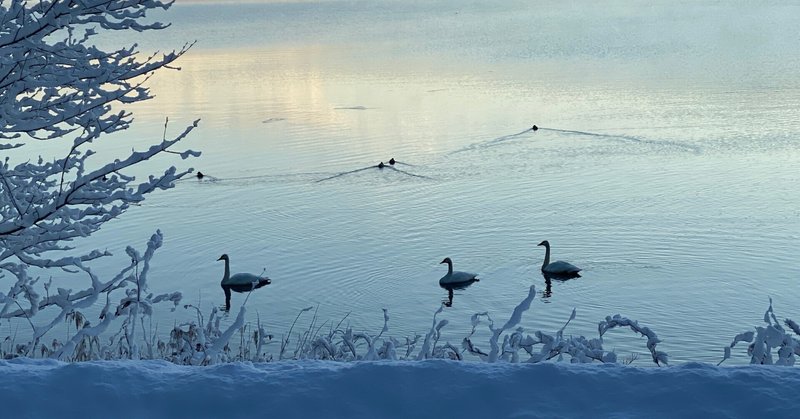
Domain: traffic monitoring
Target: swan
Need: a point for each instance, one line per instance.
(558, 267)
(455, 277)
(240, 282)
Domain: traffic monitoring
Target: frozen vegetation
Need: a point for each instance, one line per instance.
(57, 86)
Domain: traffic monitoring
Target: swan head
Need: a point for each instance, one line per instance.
(381, 165)
(200, 175)
(224, 257)
(446, 260)
(544, 243)
(392, 161)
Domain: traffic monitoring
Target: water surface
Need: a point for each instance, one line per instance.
(666, 165)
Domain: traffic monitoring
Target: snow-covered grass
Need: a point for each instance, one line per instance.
(204, 342)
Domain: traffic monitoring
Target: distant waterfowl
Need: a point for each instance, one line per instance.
(204, 177)
(380, 166)
(455, 277)
(240, 282)
(534, 128)
(558, 267)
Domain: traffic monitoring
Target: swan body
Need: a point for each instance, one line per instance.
(239, 282)
(455, 277)
(558, 267)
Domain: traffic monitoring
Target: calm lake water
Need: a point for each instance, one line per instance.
(666, 165)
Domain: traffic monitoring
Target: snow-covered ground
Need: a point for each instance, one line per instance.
(435, 388)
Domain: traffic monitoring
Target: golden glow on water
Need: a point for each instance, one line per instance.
(312, 90)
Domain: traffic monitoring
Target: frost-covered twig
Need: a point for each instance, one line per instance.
(136, 302)
(285, 341)
(213, 353)
(659, 357)
(515, 318)
(766, 339)
(426, 352)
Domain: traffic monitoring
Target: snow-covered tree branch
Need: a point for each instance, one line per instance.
(56, 85)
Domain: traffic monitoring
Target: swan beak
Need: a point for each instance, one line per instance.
(444, 261)
(540, 244)
(220, 258)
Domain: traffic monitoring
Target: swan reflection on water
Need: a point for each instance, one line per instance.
(455, 287)
(550, 277)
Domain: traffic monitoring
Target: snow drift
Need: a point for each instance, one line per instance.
(387, 389)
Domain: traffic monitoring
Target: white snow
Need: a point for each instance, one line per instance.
(389, 389)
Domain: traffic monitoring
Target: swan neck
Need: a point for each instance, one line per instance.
(449, 267)
(546, 257)
(227, 273)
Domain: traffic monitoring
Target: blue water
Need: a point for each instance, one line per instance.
(666, 165)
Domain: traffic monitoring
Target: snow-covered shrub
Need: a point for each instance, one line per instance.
(768, 338)
(541, 346)
(343, 344)
(56, 85)
(135, 304)
(204, 343)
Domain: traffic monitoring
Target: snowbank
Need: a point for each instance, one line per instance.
(436, 388)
